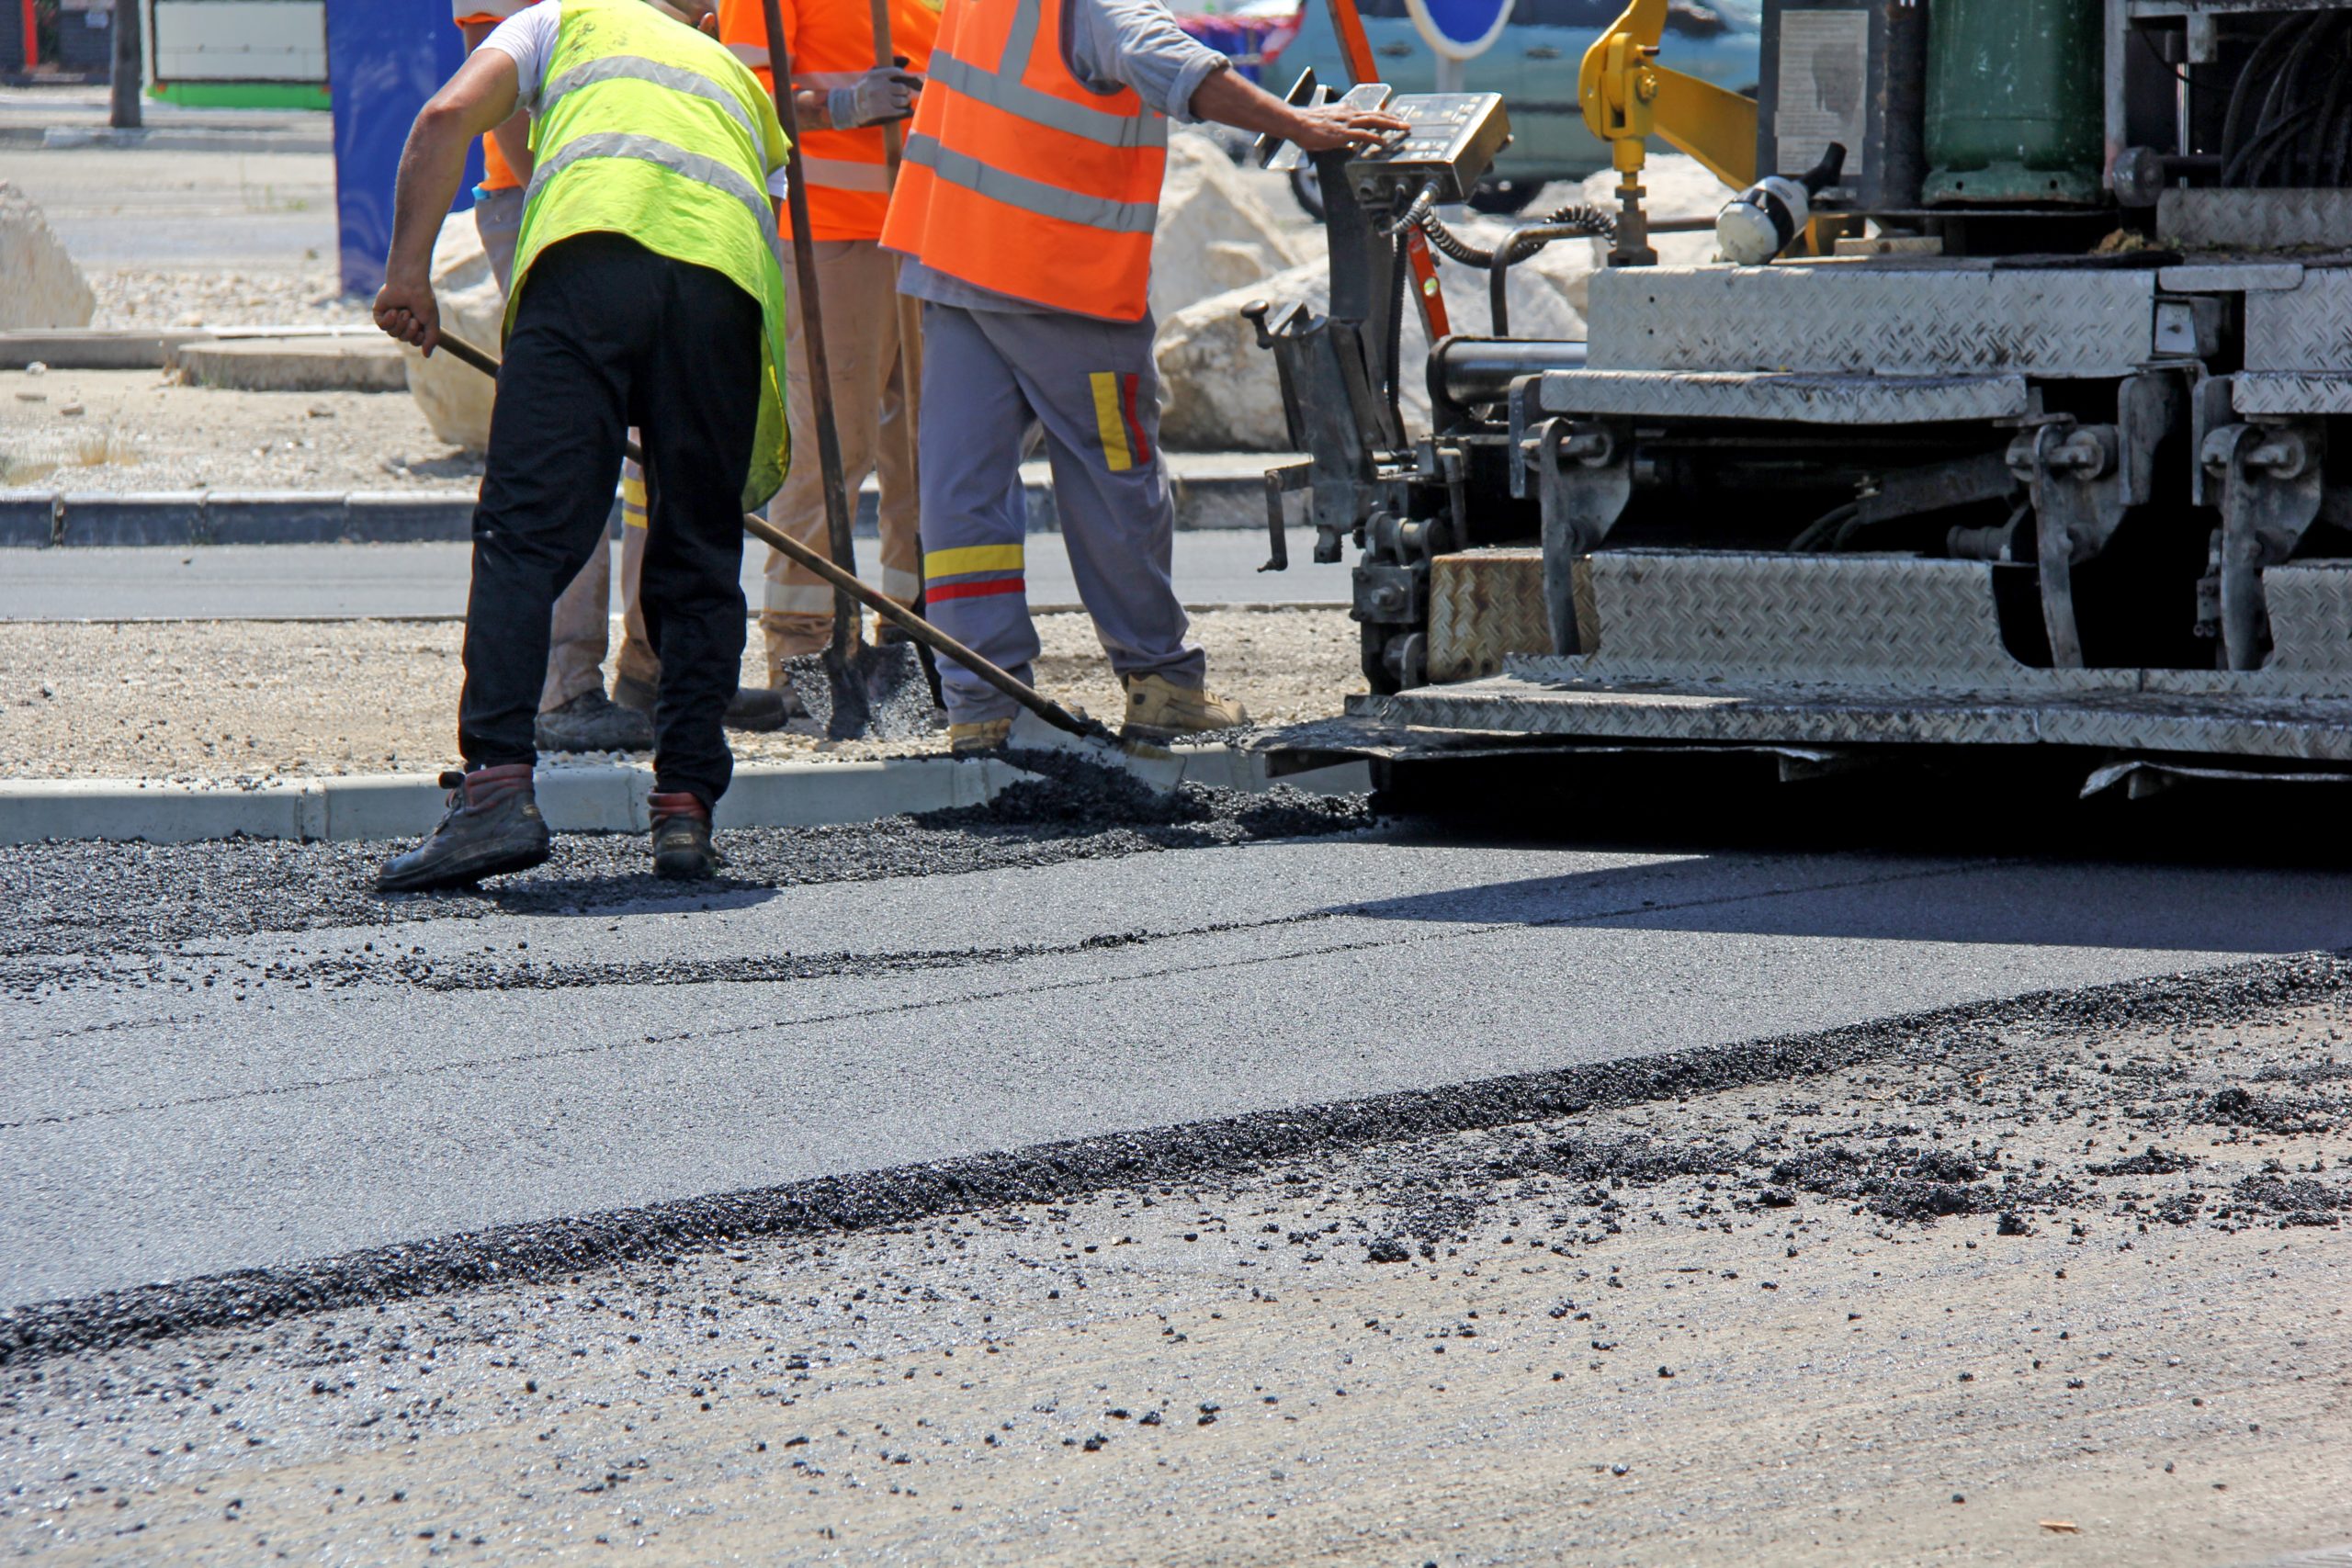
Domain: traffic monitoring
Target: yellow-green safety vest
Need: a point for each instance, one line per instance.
(648, 128)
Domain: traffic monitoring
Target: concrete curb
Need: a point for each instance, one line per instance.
(135, 348)
(36, 518)
(605, 798)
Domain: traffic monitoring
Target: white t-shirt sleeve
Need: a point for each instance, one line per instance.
(527, 38)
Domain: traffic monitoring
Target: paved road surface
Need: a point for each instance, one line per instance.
(209, 1119)
(230, 580)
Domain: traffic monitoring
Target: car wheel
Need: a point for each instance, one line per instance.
(1505, 199)
(1306, 188)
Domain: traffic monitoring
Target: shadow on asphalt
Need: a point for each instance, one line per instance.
(1999, 806)
(2105, 906)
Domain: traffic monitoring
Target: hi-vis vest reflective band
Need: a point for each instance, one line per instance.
(650, 129)
(1019, 178)
(831, 44)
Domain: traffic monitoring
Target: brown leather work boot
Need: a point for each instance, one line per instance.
(682, 847)
(493, 826)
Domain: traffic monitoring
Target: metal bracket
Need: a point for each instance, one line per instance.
(1281, 482)
(1585, 479)
(2269, 477)
(2084, 480)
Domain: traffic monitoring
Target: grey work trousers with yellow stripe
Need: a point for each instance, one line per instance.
(1091, 384)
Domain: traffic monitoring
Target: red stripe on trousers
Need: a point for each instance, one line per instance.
(975, 590)
(1128, 388)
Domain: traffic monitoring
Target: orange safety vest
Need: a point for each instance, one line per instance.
(1021, 178)
(830, 41)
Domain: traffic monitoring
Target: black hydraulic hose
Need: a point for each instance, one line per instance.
(1575, 219)
(1423, 201)
(2243, 96)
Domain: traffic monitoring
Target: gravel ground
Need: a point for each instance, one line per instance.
(2050, 1280)
(152, 297)
(255, 700)
(121, 431)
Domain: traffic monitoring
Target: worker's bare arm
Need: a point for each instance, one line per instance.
(481, 96)
(1230, 98)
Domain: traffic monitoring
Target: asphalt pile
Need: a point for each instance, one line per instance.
(91, 901)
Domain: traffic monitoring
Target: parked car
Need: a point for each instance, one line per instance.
(1533, 66)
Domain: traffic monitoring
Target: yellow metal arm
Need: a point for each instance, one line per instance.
(1628, 96)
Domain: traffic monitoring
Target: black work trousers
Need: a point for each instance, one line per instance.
(608, 335)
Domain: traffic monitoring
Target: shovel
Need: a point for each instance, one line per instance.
(849, 588)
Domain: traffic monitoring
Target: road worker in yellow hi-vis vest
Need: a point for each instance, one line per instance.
(648, 292)
(1026, 213)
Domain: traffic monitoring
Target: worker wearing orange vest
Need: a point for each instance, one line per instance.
(575, 713)
(843, 95)
(1026, 211)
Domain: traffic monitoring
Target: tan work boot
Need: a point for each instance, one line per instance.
(1160, 709)
(979, 738)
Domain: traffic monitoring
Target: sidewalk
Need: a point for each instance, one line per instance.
(76, 116)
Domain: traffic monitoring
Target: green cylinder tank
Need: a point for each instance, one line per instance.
(2014, 101)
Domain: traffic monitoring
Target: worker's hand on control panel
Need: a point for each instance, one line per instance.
(1330, 127)
(884, 93)
(406, 310)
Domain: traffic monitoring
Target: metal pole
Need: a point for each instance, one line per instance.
(129, 70)
(847, 624)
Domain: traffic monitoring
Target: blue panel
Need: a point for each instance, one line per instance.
(1468, 26)
(384, 58)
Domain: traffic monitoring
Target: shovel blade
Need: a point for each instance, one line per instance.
(878, 694)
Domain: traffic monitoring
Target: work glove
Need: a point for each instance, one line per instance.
(882, 95)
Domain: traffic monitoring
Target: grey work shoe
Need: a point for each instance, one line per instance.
(493, 826)
(764, 708)
(592, 722)
(756, 708)
(682, 847)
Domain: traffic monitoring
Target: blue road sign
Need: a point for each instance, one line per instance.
(1459, 29)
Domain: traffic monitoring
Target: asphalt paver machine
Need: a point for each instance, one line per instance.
(2029, 424)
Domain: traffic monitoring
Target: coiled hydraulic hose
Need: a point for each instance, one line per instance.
(1575, 221)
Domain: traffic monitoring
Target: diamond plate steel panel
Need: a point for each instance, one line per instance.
(2310, 729)
(1789, 617)
(2291, 392)
(1862, 316)
(2302, 329)
(2311, 620)
(1797, 398)
(1484, 605)
(2240, 220)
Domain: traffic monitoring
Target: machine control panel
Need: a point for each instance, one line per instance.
(1454, 140)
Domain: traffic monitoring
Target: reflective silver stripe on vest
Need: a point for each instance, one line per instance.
(677, 160)
(636, 68)
(1030, 196)
(1006, 91)
(844, 173)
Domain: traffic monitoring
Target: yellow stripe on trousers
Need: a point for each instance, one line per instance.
(972, 558)
(1110, 421)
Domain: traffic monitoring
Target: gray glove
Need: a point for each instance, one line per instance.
(882, 95)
